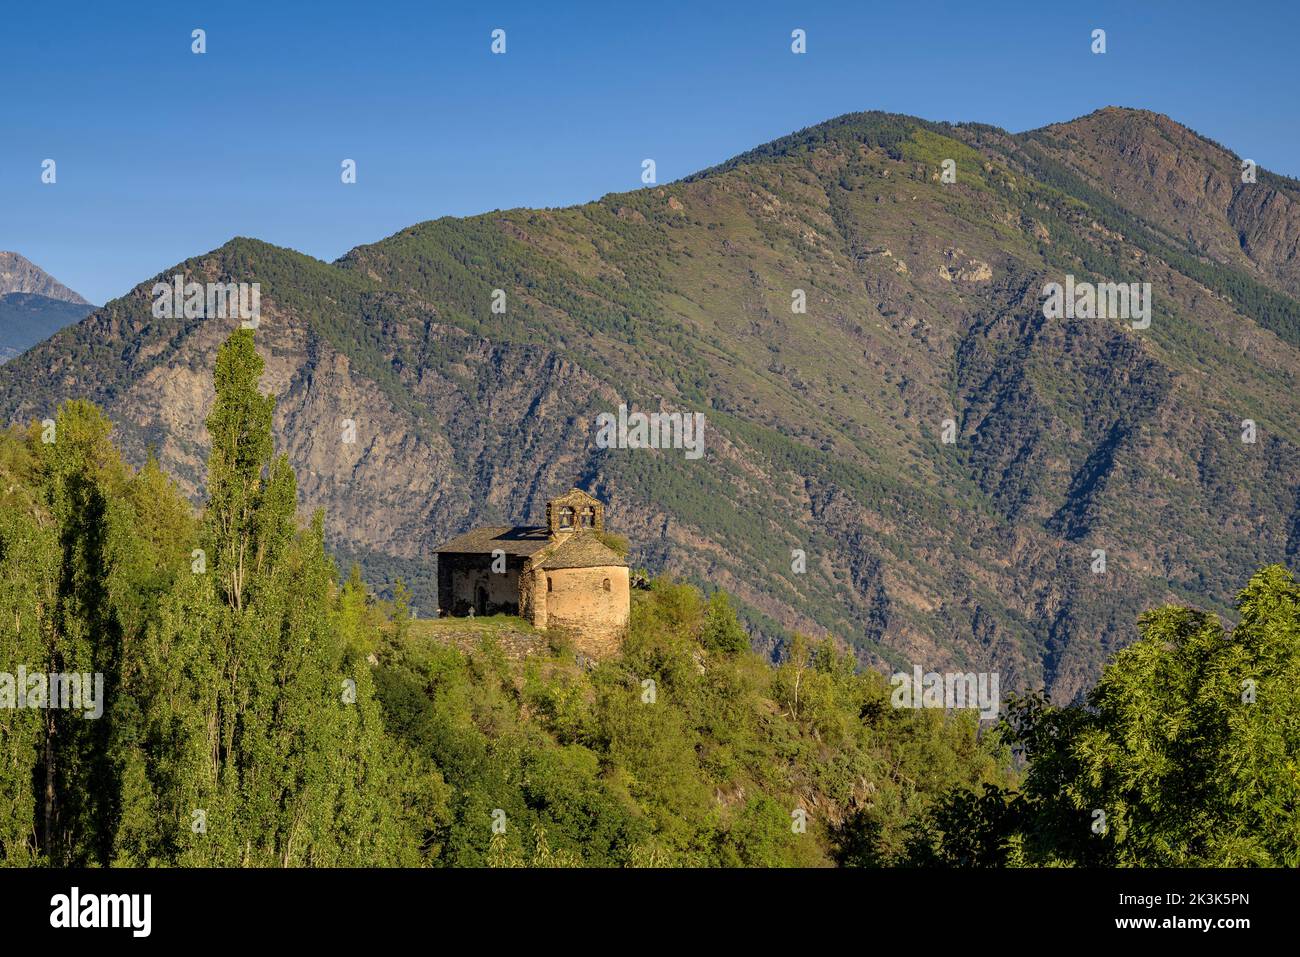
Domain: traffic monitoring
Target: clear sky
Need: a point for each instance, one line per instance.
(163, 154)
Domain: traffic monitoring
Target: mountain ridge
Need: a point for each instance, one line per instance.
(922, 305)
(20, 274)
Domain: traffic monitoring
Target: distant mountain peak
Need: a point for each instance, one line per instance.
(19, 274)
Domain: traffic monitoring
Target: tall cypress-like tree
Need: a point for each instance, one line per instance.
(78, 775)
(240, 430)
(267, 746)
(74, 584)
(28, 562)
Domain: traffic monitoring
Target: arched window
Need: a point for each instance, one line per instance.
(605, 584)
(566, 516)
(550, 585)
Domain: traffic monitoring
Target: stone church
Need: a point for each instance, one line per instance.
(558, 575)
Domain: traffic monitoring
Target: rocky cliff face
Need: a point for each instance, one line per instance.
(828, 498)
(18, 274)
(1187, 187)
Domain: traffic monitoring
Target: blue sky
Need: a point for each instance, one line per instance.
(163, 154)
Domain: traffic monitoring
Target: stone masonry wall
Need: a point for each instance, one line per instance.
(461, 576)
(578, 602)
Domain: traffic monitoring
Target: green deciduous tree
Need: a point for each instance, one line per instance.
(255, 736)
(722, 632)
(1184, 755)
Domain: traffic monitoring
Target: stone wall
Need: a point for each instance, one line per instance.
(515, 645)
(574, 600)
(468, 581)
(578, 602)
(532, 596)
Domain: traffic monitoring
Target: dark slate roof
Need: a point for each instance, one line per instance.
(583, 550)
(516, 540)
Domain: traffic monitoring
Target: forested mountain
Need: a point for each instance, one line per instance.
(252, 709)
(825, 428)
(26, 319)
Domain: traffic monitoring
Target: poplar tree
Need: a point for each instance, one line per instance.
(240, 505)
(265, 745)
(28, 559)
(81, 476)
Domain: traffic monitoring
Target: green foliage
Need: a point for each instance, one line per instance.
(722, 632)
(683, 752)
(261, 713)
(615, 543)
(686, 751)
(72, 568)
(1183, 756)
(241, 726)
(401, 613)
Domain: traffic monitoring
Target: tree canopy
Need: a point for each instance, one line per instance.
(260, 711)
